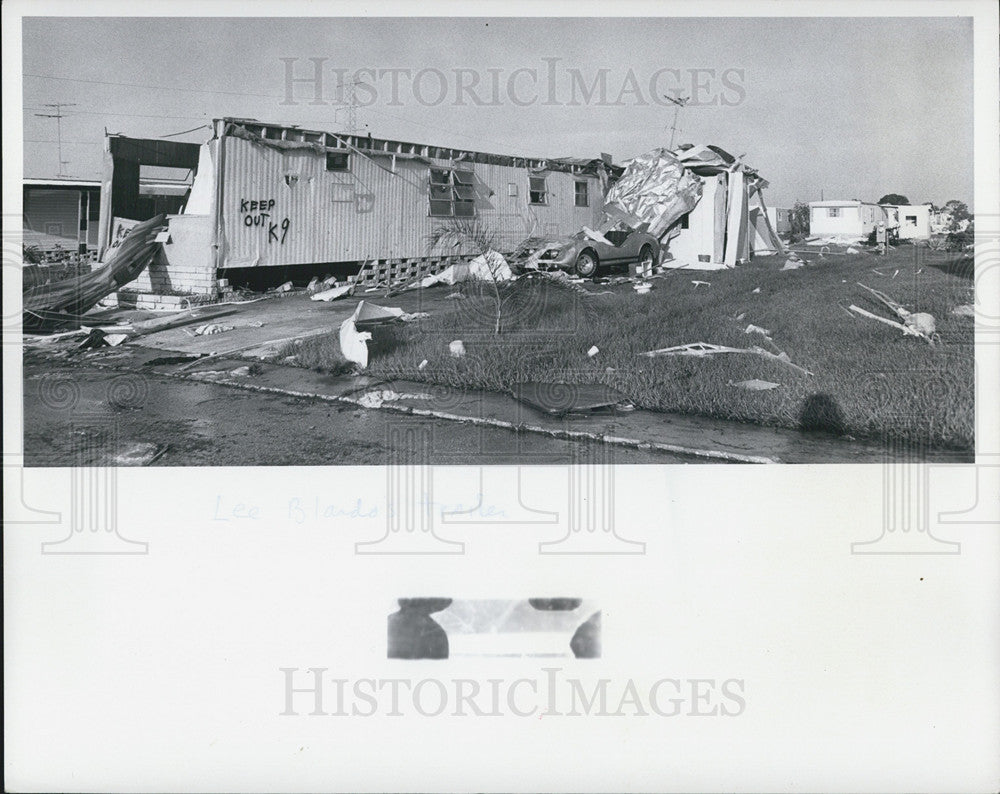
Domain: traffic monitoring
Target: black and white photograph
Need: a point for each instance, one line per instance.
(364, 365)
(247, 251)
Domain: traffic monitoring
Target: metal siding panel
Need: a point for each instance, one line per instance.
(378, 215)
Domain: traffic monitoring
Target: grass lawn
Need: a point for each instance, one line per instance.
(868, 379)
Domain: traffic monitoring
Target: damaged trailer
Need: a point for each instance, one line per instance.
(277, 196)
(705, 206)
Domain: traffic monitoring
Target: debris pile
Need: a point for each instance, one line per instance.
(66, 300)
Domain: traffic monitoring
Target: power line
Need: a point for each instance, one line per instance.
(352, 107)
(144, 85)
(130, 115)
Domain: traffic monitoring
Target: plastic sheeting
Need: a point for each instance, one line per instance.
(656, 189)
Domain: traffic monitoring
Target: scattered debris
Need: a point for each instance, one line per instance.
(642, 288)
(422, 365)
(166, 360)
(596, 236)
(756, 291)
(454, 295)
(212, 328)
(699, 283)
(313, 286)
(756, 329)
(794, 263)
(97, 337)
(71, 297)
(456, 348)
(593, 351)
(704, 349)
(919, 324)
(560, 399)
(965, 310)
(141, 453)
(354, 343)
(333, 293)
(375, 399)
(286, 287)
(852, 250)
(755, 385)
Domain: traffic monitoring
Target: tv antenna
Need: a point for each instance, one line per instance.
(679, 102)
(58, 116)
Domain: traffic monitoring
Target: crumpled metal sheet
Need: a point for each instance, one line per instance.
(657, 189)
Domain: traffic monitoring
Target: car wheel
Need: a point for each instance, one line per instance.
(646, 260)
(586, 264)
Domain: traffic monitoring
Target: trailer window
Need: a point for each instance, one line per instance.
(337, 161)
(582, 199)
(452, 193)
(833, 212)
(536, 190)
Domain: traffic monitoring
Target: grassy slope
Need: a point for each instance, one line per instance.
(869, 380)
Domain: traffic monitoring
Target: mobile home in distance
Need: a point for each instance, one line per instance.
(277, 196)
(914, 221)
(848, 219)
(781, 220)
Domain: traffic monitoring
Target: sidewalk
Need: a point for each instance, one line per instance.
(702, 440)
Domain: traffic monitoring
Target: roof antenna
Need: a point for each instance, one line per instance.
(679, 101)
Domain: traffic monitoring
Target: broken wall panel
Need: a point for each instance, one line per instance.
(283, 206)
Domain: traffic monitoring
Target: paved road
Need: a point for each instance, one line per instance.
(206, 424)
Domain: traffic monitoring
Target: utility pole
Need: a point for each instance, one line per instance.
(679, 101)
(58, 116)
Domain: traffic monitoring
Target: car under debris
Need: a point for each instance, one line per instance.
(587, 251)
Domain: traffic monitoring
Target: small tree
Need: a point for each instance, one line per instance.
(896, 199)
(800, 221)
(484, 242)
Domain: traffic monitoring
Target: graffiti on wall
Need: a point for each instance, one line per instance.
(260, 213)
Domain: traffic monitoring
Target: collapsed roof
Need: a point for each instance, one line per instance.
(660, 187)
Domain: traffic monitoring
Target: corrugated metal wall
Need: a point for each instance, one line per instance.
(283, 207)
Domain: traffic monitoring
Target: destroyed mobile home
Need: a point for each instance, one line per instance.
(393, 220)
(276, 196)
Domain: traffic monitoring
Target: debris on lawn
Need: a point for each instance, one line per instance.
(965, 310)
(756, 329)
(794, 262)
(755, 291)
(141, 453)
(561, 399)
(313, 286)
(852, 250)
(699, 283)
(422, 365)
(333, 293)
(642, 287)
(456, 348)
(286, 287)
(755, 385)
(919, 324)
(593, 351)
(704, 350)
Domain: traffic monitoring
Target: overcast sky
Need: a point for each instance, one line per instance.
(852, 108)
